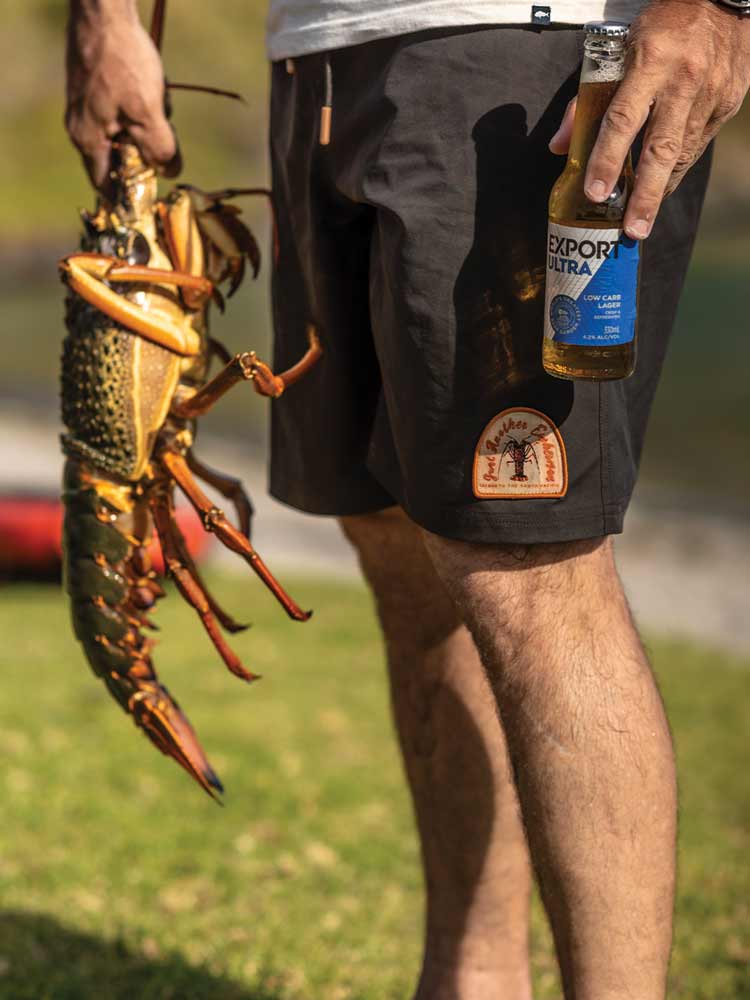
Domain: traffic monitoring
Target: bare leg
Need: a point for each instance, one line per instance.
(591, 751)
(473, 850)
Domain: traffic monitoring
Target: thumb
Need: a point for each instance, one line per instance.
(158, 144)
(560, 141)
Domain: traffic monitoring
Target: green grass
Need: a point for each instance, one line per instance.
(120, 879)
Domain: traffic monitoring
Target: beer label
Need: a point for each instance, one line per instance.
(592, 285)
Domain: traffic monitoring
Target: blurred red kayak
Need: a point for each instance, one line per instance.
(31, 533)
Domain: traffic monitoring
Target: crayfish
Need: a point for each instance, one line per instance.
(135, 377)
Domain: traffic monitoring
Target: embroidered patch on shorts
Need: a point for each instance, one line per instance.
(520, 455)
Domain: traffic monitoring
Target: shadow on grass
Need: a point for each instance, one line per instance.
(40, 957)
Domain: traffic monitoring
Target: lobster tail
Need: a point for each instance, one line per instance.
(107, 575)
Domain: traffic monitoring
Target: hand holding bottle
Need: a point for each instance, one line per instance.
(687, 72)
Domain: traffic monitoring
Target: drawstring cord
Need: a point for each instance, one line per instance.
(326, 112)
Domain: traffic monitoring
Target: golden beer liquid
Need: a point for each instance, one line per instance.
(569, 206)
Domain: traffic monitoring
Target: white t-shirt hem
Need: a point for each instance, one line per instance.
(291, 32)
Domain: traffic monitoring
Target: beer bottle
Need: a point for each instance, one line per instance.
(592, 267)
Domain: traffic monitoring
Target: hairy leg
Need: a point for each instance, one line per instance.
(473, 849)
(590, 747)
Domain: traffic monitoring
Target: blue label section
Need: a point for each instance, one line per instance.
(603, 312)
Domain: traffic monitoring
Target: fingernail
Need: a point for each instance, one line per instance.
(639, 229)
(554, 138)
(597, 191)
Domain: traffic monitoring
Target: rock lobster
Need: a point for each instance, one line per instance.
(135, 370)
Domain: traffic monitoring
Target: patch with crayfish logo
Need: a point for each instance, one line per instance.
(520, 455)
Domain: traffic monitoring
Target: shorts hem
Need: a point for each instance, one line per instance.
(348, 509)
(501, 529)
(473, 525)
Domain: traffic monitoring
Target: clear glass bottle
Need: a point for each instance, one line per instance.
(592, 267)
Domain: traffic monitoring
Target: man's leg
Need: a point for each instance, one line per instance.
(474, 854)
(590, 747)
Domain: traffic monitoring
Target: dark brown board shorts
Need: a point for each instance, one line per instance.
(416, 243)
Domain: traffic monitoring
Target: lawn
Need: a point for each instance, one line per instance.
(120, 879)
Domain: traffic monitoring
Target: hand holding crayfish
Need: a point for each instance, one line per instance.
(115, 83)
(135, 378)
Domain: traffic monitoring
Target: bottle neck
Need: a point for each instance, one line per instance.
(603, 69)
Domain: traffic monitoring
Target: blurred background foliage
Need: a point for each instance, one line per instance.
(223, 141)
(699, 429)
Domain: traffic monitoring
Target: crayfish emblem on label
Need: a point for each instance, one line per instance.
(520, 454)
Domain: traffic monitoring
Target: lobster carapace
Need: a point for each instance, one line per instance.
(135, 373)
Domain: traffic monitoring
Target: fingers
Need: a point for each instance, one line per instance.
(96, 160)
(92, 141)
(697, 136)
(622, 122)
(154, 137)
(560, 141)
(663, 149)
(156, 140)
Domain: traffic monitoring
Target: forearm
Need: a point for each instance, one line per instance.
(89, 23)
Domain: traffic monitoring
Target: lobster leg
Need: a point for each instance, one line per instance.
(217, 348)
(241, 368)
(215, 520)
(183, 553)
(229, 487)
(248, 368)
(305, 363)
(183, 241)
(190, 588)
(200, 289)
(86, 275)
(218, 196)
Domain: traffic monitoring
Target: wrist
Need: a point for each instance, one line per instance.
(103, 11)
(91, 23)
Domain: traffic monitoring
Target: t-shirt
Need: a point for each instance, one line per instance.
(299, 27)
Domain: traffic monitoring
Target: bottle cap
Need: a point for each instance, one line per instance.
(607, 29)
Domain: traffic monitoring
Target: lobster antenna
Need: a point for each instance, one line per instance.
(205, 90)
(157, 23)
(157, 37)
